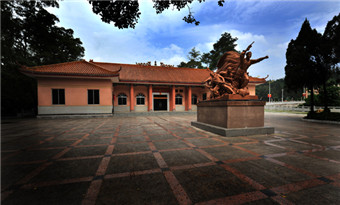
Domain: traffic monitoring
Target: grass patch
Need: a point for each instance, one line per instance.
(330, 116)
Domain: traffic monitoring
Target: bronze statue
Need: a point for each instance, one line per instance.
(231, 76)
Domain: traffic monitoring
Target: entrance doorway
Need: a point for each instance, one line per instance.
(160, 102)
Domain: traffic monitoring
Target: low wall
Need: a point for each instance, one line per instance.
(58, 110)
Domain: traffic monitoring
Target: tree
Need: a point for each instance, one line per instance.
(329, 56)
(194, 60)
(125, 14)
(224, 44)
(276, 87)
(302, 69)
(29, 36)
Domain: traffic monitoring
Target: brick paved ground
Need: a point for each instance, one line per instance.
(163, 160)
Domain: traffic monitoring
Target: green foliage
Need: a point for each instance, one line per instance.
(276, 87)
(29, 37)
(313, 59)
(333, 96)
(224, 44)
(125, 14)
(194, 60)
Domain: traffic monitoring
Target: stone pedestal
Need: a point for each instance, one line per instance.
(228, 114)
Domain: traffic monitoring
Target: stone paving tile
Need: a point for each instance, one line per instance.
(294, 145)
(170, 145)
(210, 182)
(68, 169)
(182, 157)
(321, 141)
(263, 149)
(163, 160)
(55, 143)
(70, 136)
(130, 139)
(143, 189)
(95, 141)
(329, 154)
(129, 148)
(11, 174)
(33, 155)
(204, 142)
(85, 151)
(162, 137)
(326, 194)
(267, 201)
(267, 173)
(131, 163)
(236, 139)
(315, 166)
(56, 195)
(227, 153)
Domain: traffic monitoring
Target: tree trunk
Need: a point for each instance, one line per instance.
(325, 97)
(312, 100)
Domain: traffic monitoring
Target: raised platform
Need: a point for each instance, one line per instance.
(233, 132)
(231, 113)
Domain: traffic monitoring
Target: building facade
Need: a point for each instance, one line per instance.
(88, 87)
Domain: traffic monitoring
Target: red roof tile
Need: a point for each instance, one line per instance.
(75, 68)
(139, 73)
(127, 72)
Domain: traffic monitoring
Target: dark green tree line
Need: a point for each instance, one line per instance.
(313, 59)
(30, 37)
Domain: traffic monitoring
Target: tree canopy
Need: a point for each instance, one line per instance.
(125, 14)
(29, 37)
(224, 44)
(210, 59)
(313, 59)
(194, 60)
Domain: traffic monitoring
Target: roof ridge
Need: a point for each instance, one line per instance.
(54, 64)
(150, 66)
(93, 63)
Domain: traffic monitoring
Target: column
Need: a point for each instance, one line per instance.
(150, 98)
(189, 98)
(186, 103)
(172, 99)
(132, 98)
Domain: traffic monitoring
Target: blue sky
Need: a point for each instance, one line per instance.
(167, 38)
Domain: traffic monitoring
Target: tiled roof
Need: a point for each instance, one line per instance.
(127, 72)
(140, 73)
(75, 68)
(257, 80)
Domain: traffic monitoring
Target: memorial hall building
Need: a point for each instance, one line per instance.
(88, 87)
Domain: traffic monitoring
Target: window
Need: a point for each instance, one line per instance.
(178, 99)
(93, 97)
(122, 99)
(140, 99)
(58, 96)
(204, 97)
(194, 99)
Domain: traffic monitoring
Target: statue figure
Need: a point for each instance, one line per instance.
(231, 76)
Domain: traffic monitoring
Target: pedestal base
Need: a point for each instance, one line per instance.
(231, 113)
(234, 131)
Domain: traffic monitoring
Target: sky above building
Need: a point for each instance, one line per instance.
(167, 38)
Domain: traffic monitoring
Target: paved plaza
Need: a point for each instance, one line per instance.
(164, 160)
